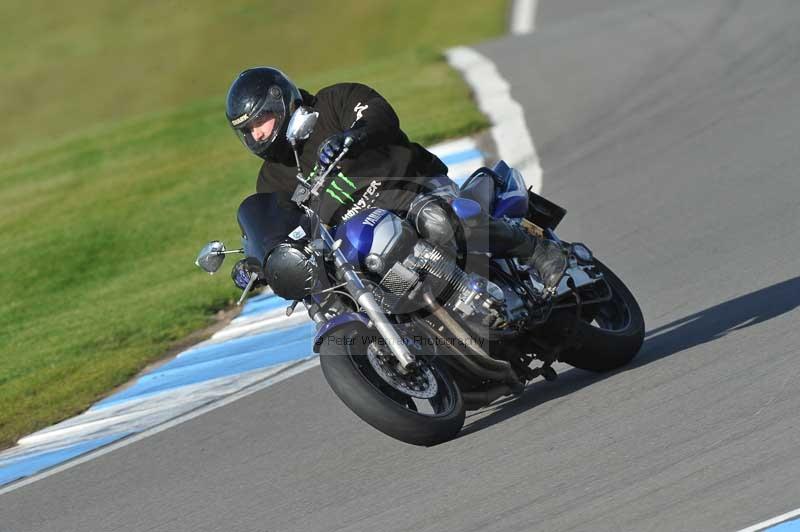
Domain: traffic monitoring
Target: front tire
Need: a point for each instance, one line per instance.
(615, 333)
(352, 377)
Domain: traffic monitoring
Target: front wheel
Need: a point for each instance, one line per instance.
(425, 408)
(612, 334)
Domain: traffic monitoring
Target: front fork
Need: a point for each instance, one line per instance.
(366, 299)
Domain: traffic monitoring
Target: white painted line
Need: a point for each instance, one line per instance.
(294, 370)
(141, 413)
(493, 94)
(523, 16)
(452, 146)
(270, 322)
(465, 169)
(774, 521)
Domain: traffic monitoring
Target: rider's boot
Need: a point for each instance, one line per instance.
(509, 240)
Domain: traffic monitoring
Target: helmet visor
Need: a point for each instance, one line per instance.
(259, 130)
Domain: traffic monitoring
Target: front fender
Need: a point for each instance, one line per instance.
(338, 322)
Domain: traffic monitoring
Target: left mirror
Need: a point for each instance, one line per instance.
(301, 125)
(211, 256)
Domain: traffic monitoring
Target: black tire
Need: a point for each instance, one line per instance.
(614, 337)
(356, 383)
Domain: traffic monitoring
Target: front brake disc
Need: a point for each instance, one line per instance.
(420, 383)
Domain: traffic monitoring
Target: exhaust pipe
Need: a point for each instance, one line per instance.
(477, 361)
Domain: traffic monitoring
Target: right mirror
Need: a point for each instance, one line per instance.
(211, 256)
(301, 125)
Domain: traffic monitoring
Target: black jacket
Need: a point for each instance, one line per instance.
(388, 172)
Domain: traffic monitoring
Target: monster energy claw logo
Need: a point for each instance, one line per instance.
(334, 190)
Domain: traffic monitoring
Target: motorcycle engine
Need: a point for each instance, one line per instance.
(474, 298)
(398, 262)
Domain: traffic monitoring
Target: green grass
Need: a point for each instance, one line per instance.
(66, 65)
(116, 164)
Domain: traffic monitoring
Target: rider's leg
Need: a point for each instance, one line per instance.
(430, 214)
(506, 240)
(434, 220)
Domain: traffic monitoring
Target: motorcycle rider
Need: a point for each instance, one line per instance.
(382, 168)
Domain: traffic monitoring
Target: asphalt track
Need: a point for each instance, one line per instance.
(670, 130)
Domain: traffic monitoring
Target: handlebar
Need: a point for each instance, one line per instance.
(303, 193)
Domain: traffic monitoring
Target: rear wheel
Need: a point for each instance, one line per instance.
(612, 333)
(423, 408)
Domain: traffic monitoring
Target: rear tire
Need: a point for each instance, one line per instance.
(614, 337)
(354, 380)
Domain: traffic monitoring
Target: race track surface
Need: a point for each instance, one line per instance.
(670, 131)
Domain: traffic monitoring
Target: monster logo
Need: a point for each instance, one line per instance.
(366, 200)
(337, 191)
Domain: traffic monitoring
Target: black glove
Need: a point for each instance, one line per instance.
(241, 272)
(331, 147)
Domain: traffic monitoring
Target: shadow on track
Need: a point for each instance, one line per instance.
(697, 329)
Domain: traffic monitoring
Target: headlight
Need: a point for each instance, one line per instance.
(291, 270)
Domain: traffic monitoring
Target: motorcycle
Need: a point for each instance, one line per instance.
(410, 334)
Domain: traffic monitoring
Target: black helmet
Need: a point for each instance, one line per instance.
(255, 96)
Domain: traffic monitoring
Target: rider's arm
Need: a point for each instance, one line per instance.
(264, 183)
(359, 107)
(273, 177)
